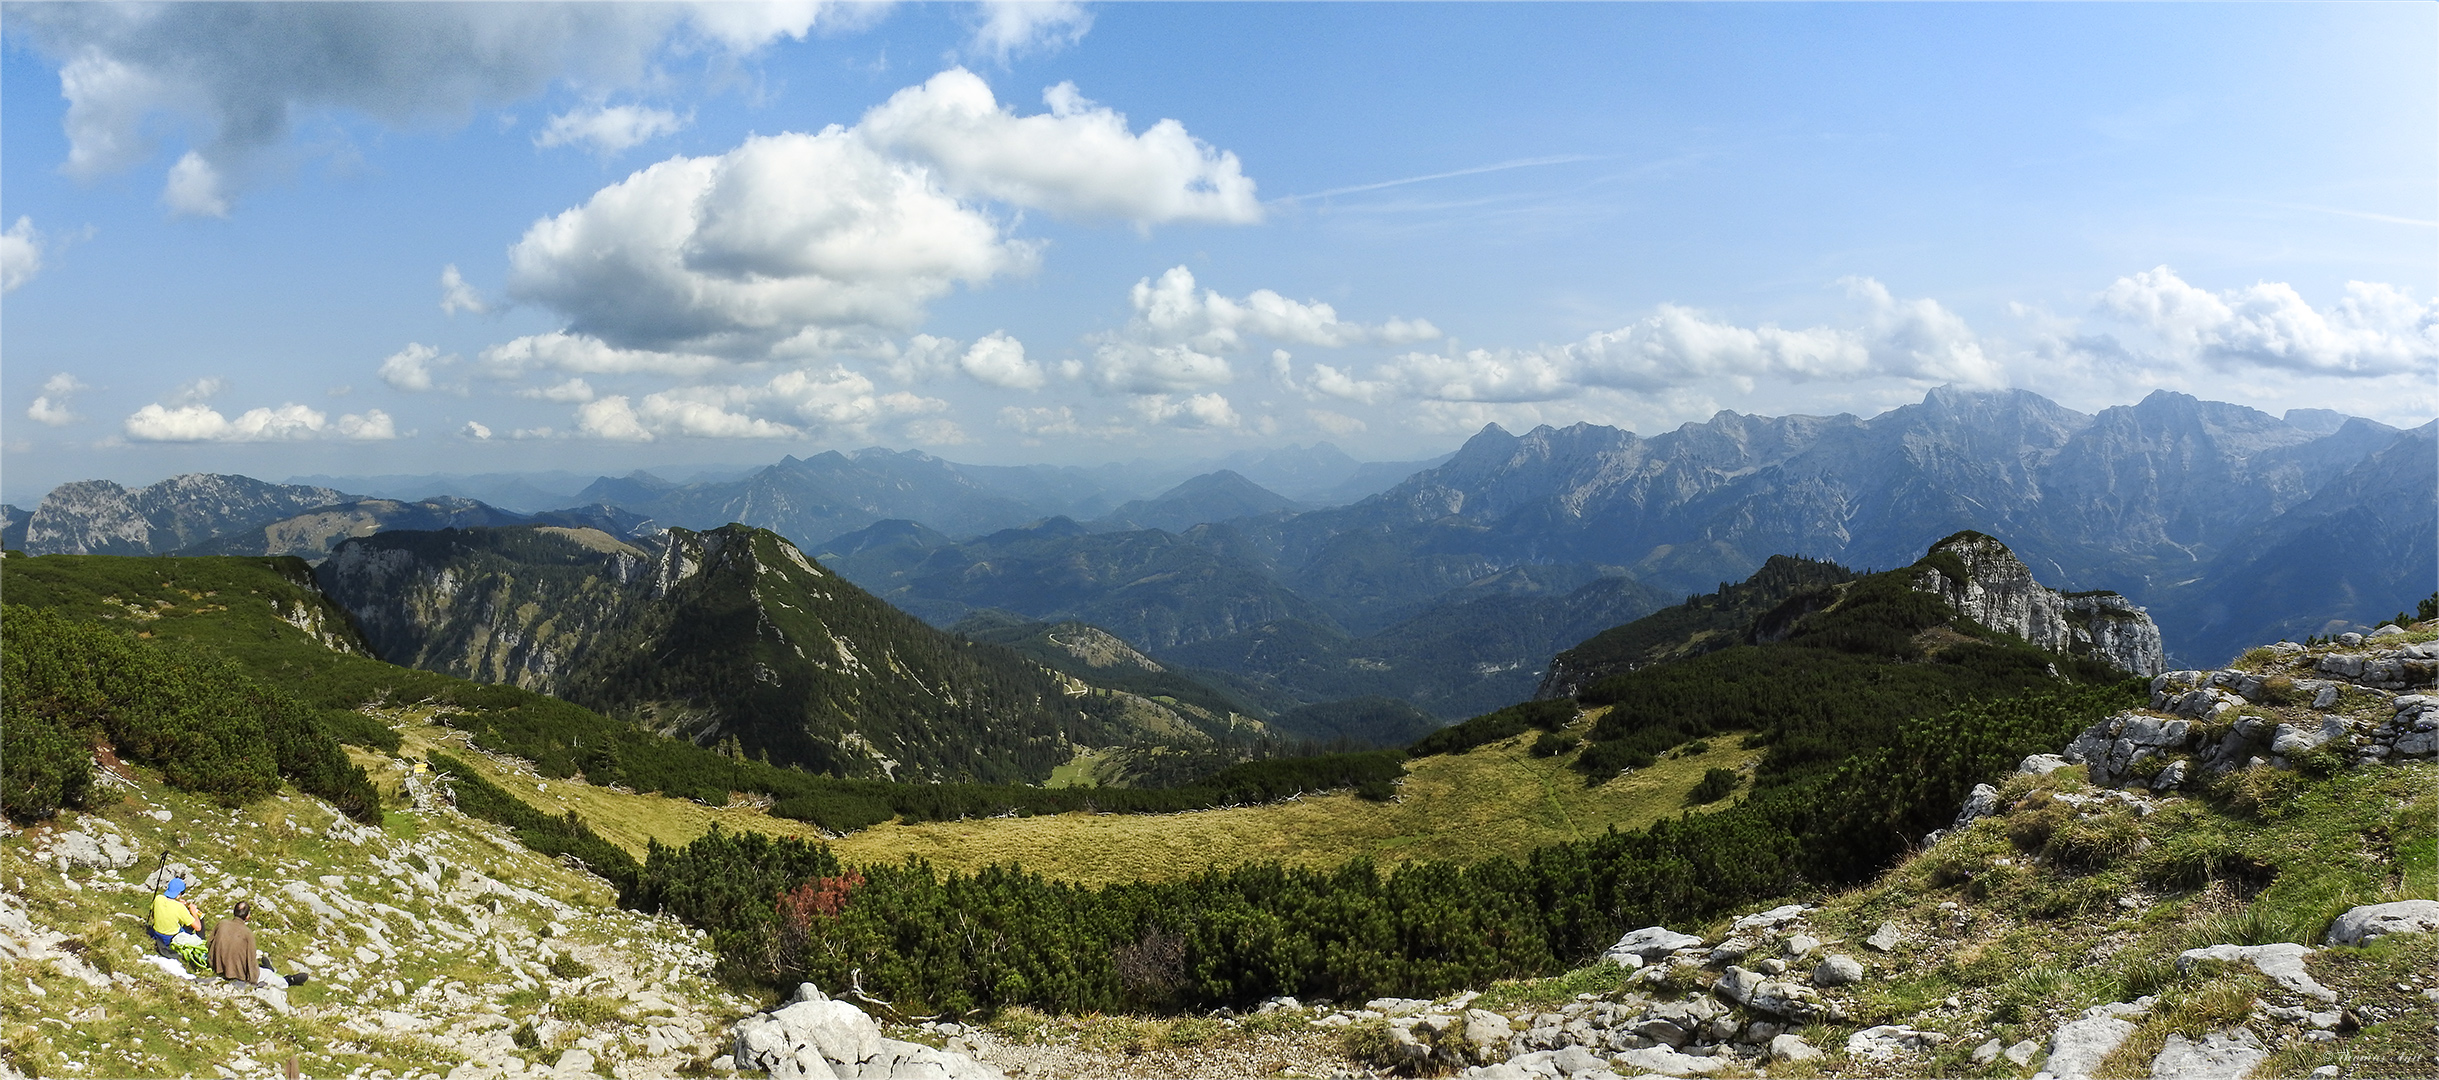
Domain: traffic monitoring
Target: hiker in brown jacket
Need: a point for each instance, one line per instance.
(233, 953)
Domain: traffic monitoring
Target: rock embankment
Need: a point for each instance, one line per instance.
(2204, 723)
(816, 1037)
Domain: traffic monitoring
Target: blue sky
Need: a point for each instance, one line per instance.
(1069, 233)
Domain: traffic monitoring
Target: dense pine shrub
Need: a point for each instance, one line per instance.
(69, 686)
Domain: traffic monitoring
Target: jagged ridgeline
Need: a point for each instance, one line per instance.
(713, 636)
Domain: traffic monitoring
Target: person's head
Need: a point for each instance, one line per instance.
(175, 889)
(243, 911)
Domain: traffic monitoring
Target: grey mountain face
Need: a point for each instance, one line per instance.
(97, 517)
(12, 526)
(1996, 589)
(312, 534)
(2135, 498)
(825, 495)
(1209, 498)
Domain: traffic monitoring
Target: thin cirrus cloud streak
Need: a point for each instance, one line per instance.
(1520, 163)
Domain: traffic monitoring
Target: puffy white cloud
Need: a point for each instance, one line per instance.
(1179, 333)
(373, 425)
(2376, 330)
(51, 406)
(202, 423)
(608, 129)
(572, 391)
(735, 253)
(1675, 347)
(563, 351)
(1077, 160)
(1339, 424)
(20, 254)
(1135, 367)
(1013, 27)
(793, 404)
(475, 429)
(456, 295)
(195, 188)
(783, 243)
(410, 368)
(936, 431)
(238, 77)
(1171, 310)
(999, 360)
(995, 360)
(1200, 411)
(1057, 421)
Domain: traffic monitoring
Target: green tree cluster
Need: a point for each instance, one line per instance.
(69, 686)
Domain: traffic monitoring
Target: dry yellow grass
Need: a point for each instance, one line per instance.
(622, 818)
(1497, 800)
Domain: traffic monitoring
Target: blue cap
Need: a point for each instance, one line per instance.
(175, 888)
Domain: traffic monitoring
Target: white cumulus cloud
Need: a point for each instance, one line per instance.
(2376, 330)
(202, 423)
(572, 391)
(457, 296)
(608, 129)
(475, 429)
(1015, 27)
(999, 360)
(410, 368)
(1172, 310)
(238, 78)
(20, 254)
(738, 252)
(1077, 160)
(51, 406)
(836, 402)
(1199, 411)
(195, 188)
(1915, 340)
(562, 351)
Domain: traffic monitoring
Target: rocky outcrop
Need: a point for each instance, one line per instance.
(1985, 582)
(2370, 922)
(816, 1037)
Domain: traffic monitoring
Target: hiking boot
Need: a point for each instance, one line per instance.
(299, 978)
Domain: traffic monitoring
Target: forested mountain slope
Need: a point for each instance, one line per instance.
(731, 633)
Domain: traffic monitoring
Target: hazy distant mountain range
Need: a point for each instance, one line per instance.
(1464, 577)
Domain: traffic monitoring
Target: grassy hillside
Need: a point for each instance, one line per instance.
(233, 607)
(1498, 800)
(431, 941)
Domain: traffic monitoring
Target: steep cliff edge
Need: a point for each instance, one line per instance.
(1985, 582)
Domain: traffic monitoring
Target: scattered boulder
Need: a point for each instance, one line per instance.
(1648, 943)
(2369, 923)
(816, 1038)
(1799, 946)
(1884, 939)
(1837, 970)
(1792, 1048)
(2022, 1052)
(1668, 1062)
(2041, 765)
(1771, 919)
(2080, 1044)
(2282, 962)
(1890, 1041)
(1981, 803)
(2219, 1056)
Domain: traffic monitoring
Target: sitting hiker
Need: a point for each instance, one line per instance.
(176, 927)
(233, 953)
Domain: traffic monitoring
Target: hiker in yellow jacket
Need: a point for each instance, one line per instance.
(177, 927)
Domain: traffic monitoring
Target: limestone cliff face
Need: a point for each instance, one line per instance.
(1985, 582)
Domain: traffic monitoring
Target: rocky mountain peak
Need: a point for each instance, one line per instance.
(1986, 582)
